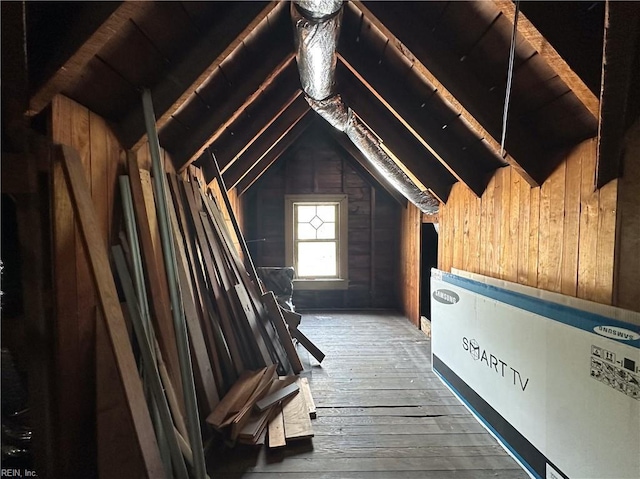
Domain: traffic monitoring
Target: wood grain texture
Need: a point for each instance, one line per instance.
(409, 271)
(559, 237)
(297, 423)
(110, 309)
(381, 434)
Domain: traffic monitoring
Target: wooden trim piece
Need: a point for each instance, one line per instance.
(308, 345)
(70, 73)
(276, 430)
(446, 95)
(235, 399)
(551, 56)
(110, 309)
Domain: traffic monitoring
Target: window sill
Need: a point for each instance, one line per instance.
(319, 284)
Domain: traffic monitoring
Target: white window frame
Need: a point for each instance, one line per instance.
(342, 280)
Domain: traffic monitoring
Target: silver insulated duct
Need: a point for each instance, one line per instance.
(317, 28)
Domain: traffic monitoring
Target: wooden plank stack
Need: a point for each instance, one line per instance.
(242, 356)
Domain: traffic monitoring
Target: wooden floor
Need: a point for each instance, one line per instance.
(382, 413)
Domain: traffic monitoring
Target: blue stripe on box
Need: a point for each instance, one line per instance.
(577, 318)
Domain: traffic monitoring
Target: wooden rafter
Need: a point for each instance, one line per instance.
(271, 156)
(395, 137)
(465, 173)
(219, 130)
(551, 56)
(455, 104)
(269, 137)
(70, 73)
(165, 87)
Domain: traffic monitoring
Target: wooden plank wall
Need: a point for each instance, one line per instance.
(627, 277)
(558, 237)
(81, 354)
(315, 165)
(409, 271)
(75, 300)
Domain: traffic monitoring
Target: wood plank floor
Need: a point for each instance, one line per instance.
(382, 413)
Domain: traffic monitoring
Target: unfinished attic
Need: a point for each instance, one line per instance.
(321, 239)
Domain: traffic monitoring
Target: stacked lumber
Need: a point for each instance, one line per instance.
(196, 336)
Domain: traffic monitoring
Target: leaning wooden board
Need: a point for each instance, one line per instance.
(110, 309)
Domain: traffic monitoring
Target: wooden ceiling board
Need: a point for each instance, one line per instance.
(133, 56)
(169, 28)
(427, 121)
(462, 26)
(248, 126)
(103, 90)
(176, 86)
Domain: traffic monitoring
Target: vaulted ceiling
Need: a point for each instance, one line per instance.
(428, 78)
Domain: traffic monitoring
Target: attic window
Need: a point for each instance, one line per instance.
(316, 240)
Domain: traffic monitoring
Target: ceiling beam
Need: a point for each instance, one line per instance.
(422, 164)
(260, 167)
(70, 72)
(621, 47)
(266, 141)
(470, 121)
(180, 84)
(551, 56)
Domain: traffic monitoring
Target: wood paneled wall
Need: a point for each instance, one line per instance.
(558, 237)
(316, 165)
(75, 299)
(409, 271)
(81, 352)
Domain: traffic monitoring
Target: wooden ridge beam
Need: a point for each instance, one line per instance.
(551, 56)
(427, 169)
(276, 151)
(181, 83)
(70, 72)
(268, 139)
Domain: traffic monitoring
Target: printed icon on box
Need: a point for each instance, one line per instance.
(595, 363)
(609, 356)
(596, 351)
(596, 373)
(630, 364)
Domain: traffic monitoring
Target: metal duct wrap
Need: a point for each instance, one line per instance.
(370, 147)
(316, 41)
(319, 8)
(317, 28)
(333, 110)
